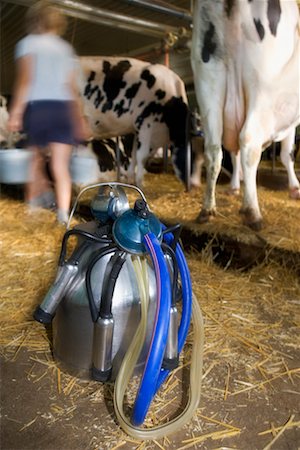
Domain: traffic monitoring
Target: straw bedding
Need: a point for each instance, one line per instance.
(252, 339)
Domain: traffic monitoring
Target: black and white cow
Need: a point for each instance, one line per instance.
(126, 95)
(245, 59)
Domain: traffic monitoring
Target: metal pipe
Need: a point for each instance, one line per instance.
(111, 23)
(101, 16)
(127, 22)
(168, 9)
(65, 276)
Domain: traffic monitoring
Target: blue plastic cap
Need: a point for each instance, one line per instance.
(130, 228)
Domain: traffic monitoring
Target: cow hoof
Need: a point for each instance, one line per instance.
(205, 216)
(255, 226)
(295, 193)
(251, 220)
(131, 180)
(232, 192)
(195, 185)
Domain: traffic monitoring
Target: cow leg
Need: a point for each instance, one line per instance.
(197, 170)
(250, 158)
(213, 160)
(140, 151)
(141, 157)
(235, 182)
(211, 105)
(287, 159)
(212, 124)
(130, 173)
(197, 146)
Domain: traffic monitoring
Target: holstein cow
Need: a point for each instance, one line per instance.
(245, 59)
(126, 95)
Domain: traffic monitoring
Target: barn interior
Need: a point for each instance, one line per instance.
(246, 282)
(152, 31)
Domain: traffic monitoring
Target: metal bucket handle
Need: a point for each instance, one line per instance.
(92, 186)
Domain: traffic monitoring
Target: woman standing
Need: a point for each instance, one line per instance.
(46, 104)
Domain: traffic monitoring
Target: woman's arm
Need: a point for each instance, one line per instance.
(21, 88)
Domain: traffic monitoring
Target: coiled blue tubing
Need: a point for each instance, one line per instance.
(159, 337)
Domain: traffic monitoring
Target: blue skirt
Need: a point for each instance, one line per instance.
(48, 121)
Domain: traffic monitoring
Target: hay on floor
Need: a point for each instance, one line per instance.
(251, 319)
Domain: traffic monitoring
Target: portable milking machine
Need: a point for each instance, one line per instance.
(114, 305)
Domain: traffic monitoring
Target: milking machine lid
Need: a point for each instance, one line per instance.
(130, 228)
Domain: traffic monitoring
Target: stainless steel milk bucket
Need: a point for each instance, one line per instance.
(73, 327)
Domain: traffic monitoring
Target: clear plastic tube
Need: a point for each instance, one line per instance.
(132, 355)
(131, 358)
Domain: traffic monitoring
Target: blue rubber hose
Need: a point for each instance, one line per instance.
(159, 337)
(186, 287)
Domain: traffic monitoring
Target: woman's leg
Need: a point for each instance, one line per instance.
(39, 182)
(59, 164)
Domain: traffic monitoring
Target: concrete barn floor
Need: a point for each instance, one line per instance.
(251, 384)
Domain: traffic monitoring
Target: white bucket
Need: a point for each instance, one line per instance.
(15, 166)
(84, 169)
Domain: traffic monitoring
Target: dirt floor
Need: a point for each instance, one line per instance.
(248, 287)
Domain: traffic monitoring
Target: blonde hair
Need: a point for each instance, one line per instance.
(43, 17)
